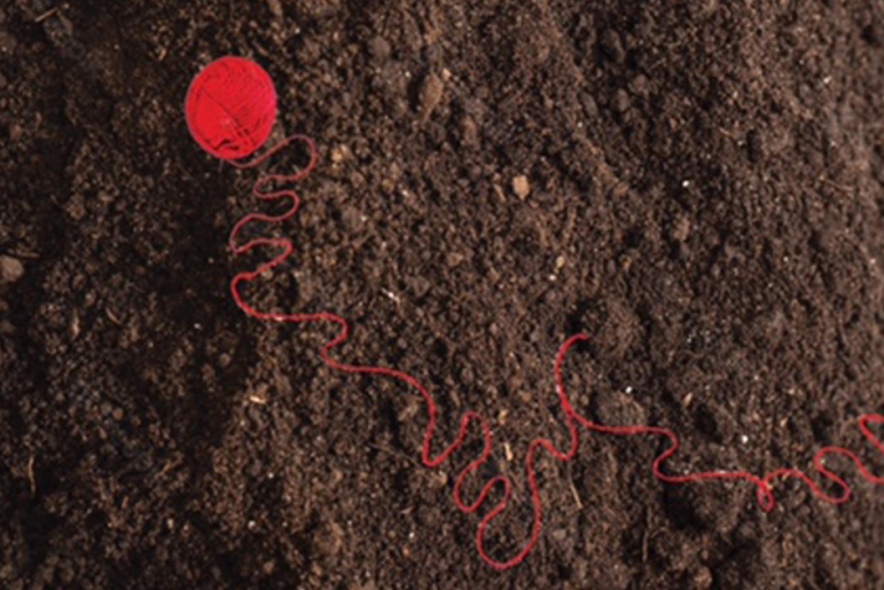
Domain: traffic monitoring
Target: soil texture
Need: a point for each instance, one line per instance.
(698, 185)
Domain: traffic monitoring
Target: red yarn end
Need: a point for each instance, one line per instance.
(231, 107)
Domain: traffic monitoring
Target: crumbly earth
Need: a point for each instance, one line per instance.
(696, 184)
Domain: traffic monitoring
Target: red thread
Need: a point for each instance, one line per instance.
(572, 419)
(231, 107)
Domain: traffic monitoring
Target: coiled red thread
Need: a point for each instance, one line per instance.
(231, 107)
(572, 419)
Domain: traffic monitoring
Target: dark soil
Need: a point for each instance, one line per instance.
(706, 183)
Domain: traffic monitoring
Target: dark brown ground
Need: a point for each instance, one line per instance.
(707, 181)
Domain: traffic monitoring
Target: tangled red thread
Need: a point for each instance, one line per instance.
(764, 489)
(231, 107)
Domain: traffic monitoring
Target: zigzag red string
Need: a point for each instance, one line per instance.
(764, 491)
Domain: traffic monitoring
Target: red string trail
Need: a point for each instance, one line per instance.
(471, 421)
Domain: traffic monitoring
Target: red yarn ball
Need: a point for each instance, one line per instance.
(231, 107)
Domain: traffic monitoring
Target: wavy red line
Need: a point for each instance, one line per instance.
(572, 419)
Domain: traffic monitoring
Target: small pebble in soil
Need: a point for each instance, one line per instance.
(521, 186)
(340, 153)
(380, 49)
(681, 229)
(702, 579)
(11, 269)
(275, 8)
(431, 95)
(622, 101)
(453, 259)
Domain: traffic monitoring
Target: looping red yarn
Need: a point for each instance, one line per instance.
(231, 107)
(473, 421)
